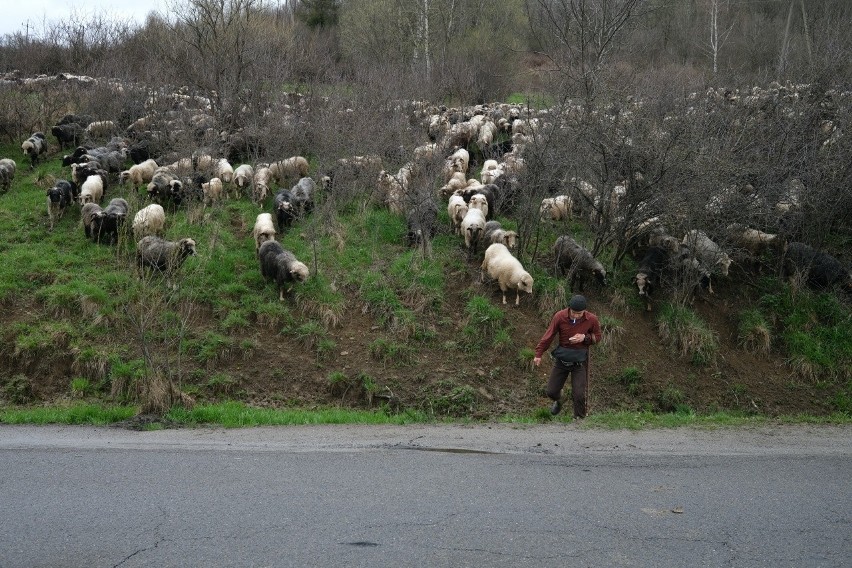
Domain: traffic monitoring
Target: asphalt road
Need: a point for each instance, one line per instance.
(553, 495)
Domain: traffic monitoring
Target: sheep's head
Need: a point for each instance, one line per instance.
(524, 282)
(510, 239)
(600, 275)
(299, 271)
(124, 176)
(27, 147)
(724, 263)
(187, 247)
(643, 282)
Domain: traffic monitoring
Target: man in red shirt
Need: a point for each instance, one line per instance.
(577, 329)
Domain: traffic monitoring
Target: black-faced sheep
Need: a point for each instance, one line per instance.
(263, 230)
(422, 222)
(494, 233)
(571, 256)
(70, 134)
(500, 265)
(150, 220)
(7, 173)
(164, 185)
(59, 198)
(650, 273)
(34, 147)
(87, 216)
(285, 209)
(162, 256)
(819, 270)
(281, 266)
(108, 222)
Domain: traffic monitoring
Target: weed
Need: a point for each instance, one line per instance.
(485, 322)
(388, 351)
(631, 378)
(671, 399)
(753, 332)
(525, 357)
(19, 389)
(446, 398)
(81, 387)
(222, 384)
(310, 334)
(687, 334)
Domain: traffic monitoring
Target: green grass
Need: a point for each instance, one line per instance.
(90, 414)
(687, 334)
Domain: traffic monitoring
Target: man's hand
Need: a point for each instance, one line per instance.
(536, 361)
(577, 338)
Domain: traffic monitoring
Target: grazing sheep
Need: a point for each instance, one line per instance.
(294, 167)
(456, 209)
(261, 182)
(162, 256)
(303, 195)
(87, 216)
(494, 233)
(224, 170)
(139, 173)
(472, 227)
(500, 265)
(92, 190)
(101, 129)
(820, 271)
(212, 190)
(285, 209)
(578, 261)
(422, 222)
(559, 208)
(109, 221)
(281, 266)
(649, 275)
(34, 147)
(7, 173)
(707, 252)
(164, 185)
(150, 220)
(59, 198)
(690, 273)
(69, 134)
(263, 230)
(243, 176)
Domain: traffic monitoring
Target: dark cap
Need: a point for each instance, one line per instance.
(577, 303)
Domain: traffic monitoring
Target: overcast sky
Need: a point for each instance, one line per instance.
(15, 14)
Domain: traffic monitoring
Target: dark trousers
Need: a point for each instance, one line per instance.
(579, 386)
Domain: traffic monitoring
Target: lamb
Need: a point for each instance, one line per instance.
(59, 198)
(87, 216)
(571, 255)
(150, 220)
(500, 265)
(7, 173)
(559, 208)
(472, 227)
(820, 271)
(294, 167)
(92, 190)
(494, 233)
(34, 147)
(212, 191)
(650, 273)
(707, 252)
(139, 174)
(456, 209)
(281, 266)
(109, 221)
(162, 256)
(263, 230)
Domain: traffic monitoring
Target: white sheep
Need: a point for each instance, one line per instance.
(479, 201)
(456, 209)
(262, 180)
(491, 170)
(224, 170)
(264, 230)
(458, 161)
(457, 181)
(139, 173)
(559, 208)
(294, 167)
(150, 220)
(101, 129)
(92, 190)
(500, 265)
(212, 191)
(707, 252)
(243, 176)
(7, 173)
(472, 227)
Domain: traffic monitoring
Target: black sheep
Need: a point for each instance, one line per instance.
(281, 266)
(285, 209)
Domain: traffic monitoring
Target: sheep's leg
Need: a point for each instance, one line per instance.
(517, 297)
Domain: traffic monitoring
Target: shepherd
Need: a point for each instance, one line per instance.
(577, 330)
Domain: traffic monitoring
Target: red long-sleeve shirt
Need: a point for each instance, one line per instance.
(562, 325)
